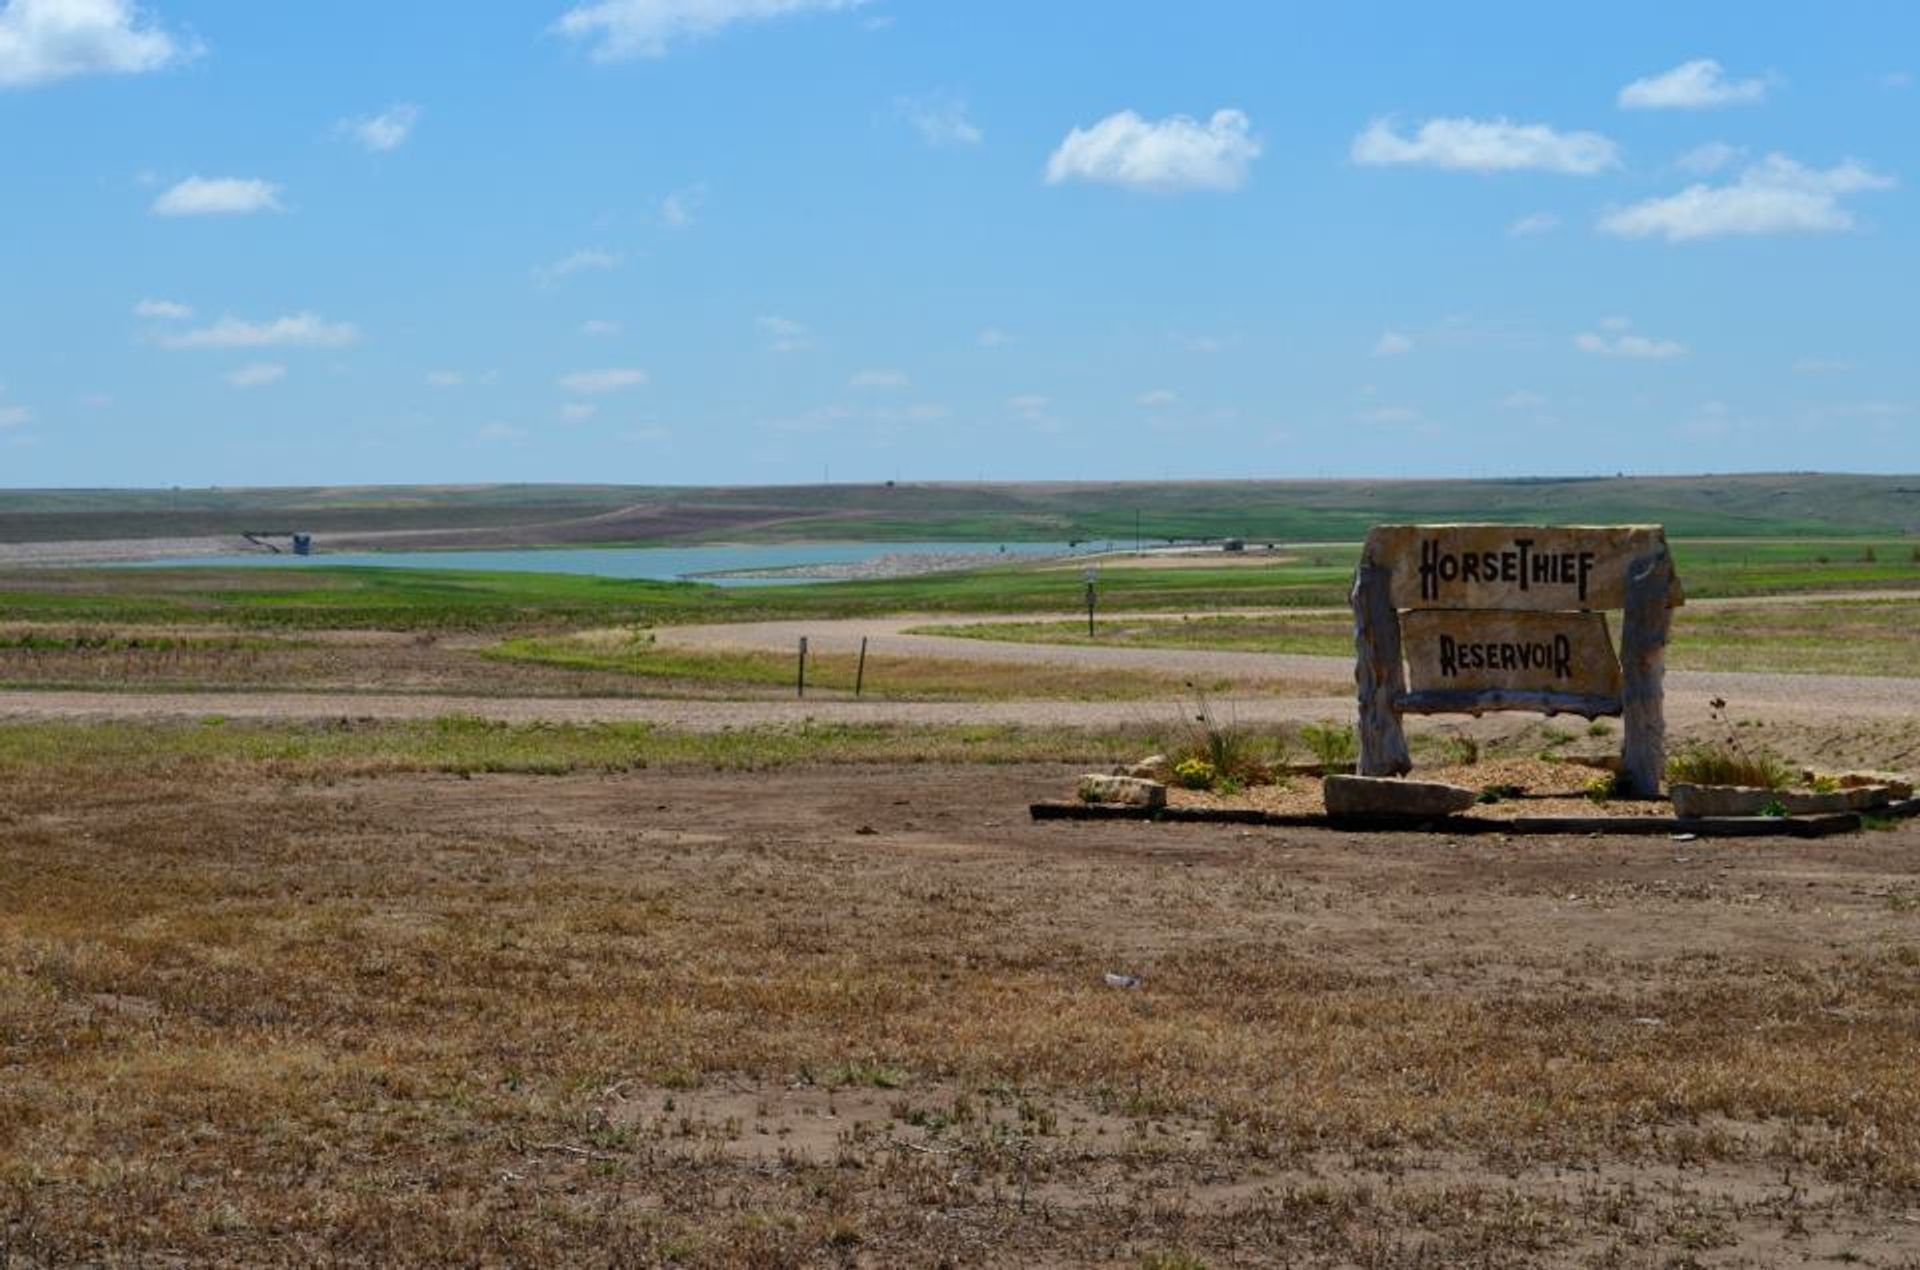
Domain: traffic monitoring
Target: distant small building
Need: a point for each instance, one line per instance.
(1234, 544)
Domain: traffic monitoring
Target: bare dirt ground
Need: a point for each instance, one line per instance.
(861, 1017)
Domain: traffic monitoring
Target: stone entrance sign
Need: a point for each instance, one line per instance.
(1510, 617)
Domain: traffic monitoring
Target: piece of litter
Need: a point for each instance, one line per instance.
(1122, 981)
(1648, 1021)
(866, 831)
(1685, 837)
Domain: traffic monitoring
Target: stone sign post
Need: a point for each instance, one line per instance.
(1462, 619)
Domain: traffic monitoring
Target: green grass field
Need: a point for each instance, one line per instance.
(1838, 637)
(452, 599)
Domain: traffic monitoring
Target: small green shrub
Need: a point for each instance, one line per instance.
(1460, 750)
(1500, 793)
(1602, 787)
(1331, 744)
(1599, 727)
(1774, 807)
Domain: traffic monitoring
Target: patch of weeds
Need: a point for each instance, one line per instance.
(1602, 787)
(1599, 727)
(1331, 744)
(1171, 1261)
(1878, 823)
(1728, 761)
(868, 1073)
(1459, 750)
(1500, 793)
(1904, 903)
(1553, 738)
(1214, 755)
(1775, 808)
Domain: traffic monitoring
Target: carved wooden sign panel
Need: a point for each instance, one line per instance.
(1467, 650)
(1512, 566)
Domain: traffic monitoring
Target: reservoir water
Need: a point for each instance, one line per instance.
(665, 564)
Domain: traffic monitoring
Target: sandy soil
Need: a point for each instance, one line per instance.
(1606, 965)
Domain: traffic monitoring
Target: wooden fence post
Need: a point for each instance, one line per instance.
(800, 684)
(860, 671)
(1377, 669)
(1643, 666)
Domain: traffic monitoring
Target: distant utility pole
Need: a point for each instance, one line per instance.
(1093, 571)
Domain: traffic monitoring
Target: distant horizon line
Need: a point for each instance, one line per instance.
(1538, 479)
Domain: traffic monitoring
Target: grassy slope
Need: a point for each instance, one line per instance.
(423, 599)
(1745, 505)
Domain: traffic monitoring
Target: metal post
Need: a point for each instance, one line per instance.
(1093, 571)
(860, 672)
(801, 681)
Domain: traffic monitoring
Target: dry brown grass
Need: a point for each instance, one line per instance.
(602, 1019)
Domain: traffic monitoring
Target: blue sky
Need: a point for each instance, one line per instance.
(751, 241)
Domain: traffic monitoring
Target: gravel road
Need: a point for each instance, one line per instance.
(1786, 699)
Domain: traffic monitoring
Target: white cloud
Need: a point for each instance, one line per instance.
(1523, 399)
(1773, 196)
(46, 40)
(647, 436)
(678, 208)
(622, 29)
(1167, 155)
(784, 335)
(1486, 145)
(496, 433)
(1897, 79)
(992, 337)
(1709, 158)
(1391, 414)
(587, 258)
(1533, 223)
(1697, 85)
(1622, 343)
(1158, 399)
(600, 327)
(445, 379)
(1035, 410)
(878, 379)
(1194, 342)
(15, 416)
(257, 375)
(385, 131)
(162, 310)
(591, 382)
(1392, 344)
(578, 411)
(219, 196)
(302, 330)
(940, 120)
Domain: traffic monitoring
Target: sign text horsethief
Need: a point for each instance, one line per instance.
(1512, 617)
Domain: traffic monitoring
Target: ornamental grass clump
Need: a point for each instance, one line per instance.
(1727, 760)
(1223, 757)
